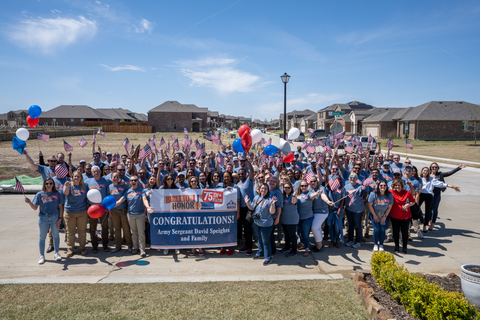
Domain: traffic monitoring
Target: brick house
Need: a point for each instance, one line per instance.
(382, 125)
(71, 115)
(294, 118)
(19, 117)
(350, 122)
(174, 116)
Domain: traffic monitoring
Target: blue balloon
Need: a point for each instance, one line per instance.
(18, 145)
(237, 145)
(34, 111)
(270, 150)
(109, 202)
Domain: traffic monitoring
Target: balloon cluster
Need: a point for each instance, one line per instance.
(23, 134)
(34, 113)
(99, 206)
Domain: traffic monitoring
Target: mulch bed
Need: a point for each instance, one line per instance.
(450, 283)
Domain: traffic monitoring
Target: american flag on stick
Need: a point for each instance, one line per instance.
(409, 145)
(100, 132)
(145, 152)
(126, 144)
(308, 175)
(167, 148)
(368, 181)
(18, 186)
(82, 142)
(334, 184)
(328, 150)
(269, 142)
(216, 139)
(310, 148)
(186, 142)
(162, 142)
(349, 149)
(67, 147)
(172, 137)
(221, 160)
(351, 196)
(279, 162)
(42, 136)
(154, 139)
(185, 132)
(310, 130)
(94, 138)
(176, 145)
(389, 144)
(61, 171)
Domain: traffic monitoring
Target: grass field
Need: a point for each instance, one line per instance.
(308, 299)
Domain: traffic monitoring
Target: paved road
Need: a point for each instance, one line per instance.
(455, 241)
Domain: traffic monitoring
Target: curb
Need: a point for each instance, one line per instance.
(374, 309)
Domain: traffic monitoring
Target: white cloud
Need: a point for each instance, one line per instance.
(56, 11)
(125, 67)
(49, 35)
(207, 62)
(143, 26)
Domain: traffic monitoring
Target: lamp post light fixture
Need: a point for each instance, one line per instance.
(285, 79)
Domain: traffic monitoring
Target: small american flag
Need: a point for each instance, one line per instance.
(349, 149)
(360, 149)
(154, 139)
(94, 138)
(337, 142)
(269, 142)
(82, 142)
(279, 162)
(304, 145)
(371, 145)
(327, 149)
(202, 149)
(308, 175)
(208, 136)
(351, 196)
(409, 145)
(389, 144)
(310, 148)
(182, 163)
(262, 141)
(167, 148)
(370, 138)
(351, 137)
(368, 181)
(186, 142)
(334, 184)
(176, 145)
(310, 130)
(150, 143)
(126, 144)
(172, 137)
(43, 137)
(67, 147)
(221, 160)
(185, 132)
(61, 171)
(145, 152)
(162, 142)
(157, 150)
(216, 139)
(341, 135)
(132, 150)
(18, 186)
(100, 132)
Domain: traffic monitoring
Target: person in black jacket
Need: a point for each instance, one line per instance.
(437, 192)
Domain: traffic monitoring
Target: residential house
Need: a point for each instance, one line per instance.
(174, 116)
(72, 115)
(17, 117)
(294, 118)
(350, 121)
(382, 124)
(118, 114)
(308, 122)
(4, 119)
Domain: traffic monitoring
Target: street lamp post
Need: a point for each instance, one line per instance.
(285, 79)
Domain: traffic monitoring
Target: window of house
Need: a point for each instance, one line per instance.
(72, 120)
(54, 120)
(406, 127)
(321, 115)
(11, 115)
(174, 126)
(81, 120)
(464, 125)
(330, 113)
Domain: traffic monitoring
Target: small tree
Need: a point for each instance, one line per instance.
(475, 114)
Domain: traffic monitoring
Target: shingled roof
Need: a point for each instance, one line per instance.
(75, 112)
(386, 114)
(117, 113)
(440, 110)
(175, 106)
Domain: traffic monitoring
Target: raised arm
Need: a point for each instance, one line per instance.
(30, 161)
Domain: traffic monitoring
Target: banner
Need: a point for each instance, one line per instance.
(202, 218)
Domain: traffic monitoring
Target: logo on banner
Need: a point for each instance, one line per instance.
(212, 196)
(183, 202)
(231, 205)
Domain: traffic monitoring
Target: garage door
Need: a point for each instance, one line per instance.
(371, 130)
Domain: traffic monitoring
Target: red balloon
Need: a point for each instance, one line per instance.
(288, 158)
(246, 141)
(32, 122)
(95, 211)
(243, 128)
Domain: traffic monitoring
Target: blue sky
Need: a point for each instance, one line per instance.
(229, 55)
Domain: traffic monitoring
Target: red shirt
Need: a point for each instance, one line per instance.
(399, 200)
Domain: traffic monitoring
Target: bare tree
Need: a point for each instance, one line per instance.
(475, 114)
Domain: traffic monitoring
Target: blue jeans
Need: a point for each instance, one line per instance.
(378, 230)
(335, 227)
(304, 227)
(45, 223)
(264, 244)
(354, 223)
(436, 203)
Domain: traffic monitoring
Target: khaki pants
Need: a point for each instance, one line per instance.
(120, 221)
(76, 222)
(137, 226)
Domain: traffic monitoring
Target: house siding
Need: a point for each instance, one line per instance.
(443, 130)
(164, 121)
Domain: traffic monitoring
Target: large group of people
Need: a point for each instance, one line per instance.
(322, 193)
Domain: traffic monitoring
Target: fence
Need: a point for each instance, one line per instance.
(136, 128)
(112, 123)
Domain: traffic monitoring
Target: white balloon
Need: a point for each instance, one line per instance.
(284, 146)
(23, 134)
(293, 134)
(256, 136)
(94, 196)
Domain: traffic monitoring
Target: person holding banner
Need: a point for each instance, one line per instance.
(119, 214)
(229, 185)
(289, 220)
(193, 184)
(75, 214)
(245, 187)
(263, 208)
(51, 203)
(169, 183)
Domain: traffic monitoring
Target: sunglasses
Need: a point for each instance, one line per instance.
(108, 169)
(354, 178)
(52, 160)
(48, 183)
(141, 173)
(121, 169)
(303, 185)
(313, 181)
(133, 180)
(383, 186)
(287, 187)
(169, 179)
(96, 156)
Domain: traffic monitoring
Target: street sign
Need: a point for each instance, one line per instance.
(338, 113)
(336, 117)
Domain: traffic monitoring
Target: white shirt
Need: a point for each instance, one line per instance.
(428, 185)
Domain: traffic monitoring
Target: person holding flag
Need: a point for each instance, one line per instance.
(354, 210)
(320, 209)
(336, 193)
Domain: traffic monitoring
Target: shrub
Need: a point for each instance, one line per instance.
(420, 298)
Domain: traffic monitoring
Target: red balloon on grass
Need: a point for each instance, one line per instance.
(32, 122)
(95, 211)
(243, 128)
(288, 158)
(246, 141)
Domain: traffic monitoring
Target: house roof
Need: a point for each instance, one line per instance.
(298, 113)
(440, 110)
(19, 111)
(140, 117)
(313, 117)
(175, 106)
(117, 113)
(354, 105)
(75, 112)
(213, 113)
(4, 116)
(386, 114)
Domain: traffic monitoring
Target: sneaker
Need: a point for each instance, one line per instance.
(223, 251)
(200, 252)
(255, 257)
(285, 249)
(192, 252)
(291, 254)
(95, 250)
(249, 252)
(83, 252)
(177, 251)
(230, 252)
(380, 248)
(306, 253)
(106, 249)
(116, 250)
(420, 235)
(244, 249)
(375, 248)
(356, 245)
(267, 262)
(134, 251)
(49, 249)
(165, 251)
(349, 243)
(143, 254)
(41, 260)
(130, 249)
(57, 256)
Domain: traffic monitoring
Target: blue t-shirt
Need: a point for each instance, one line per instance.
(387, 176)
(305, 205)
(86, 177)
(48, 202)
(262, 207)
(46, 172)
(76, 201)
(117, 192)
(60, 183)
(279, 204)
(417, 183)
(134, 198)
(335, 196)
(100, 185)
(357, 205)
(182, 185)
(319, 206)
(245, 188)
(289, 214)
(380, 202)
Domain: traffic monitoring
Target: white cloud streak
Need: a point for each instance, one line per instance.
(144, 26)
(49, 35)
(125, 67)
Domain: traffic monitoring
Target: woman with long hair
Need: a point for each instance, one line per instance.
(305, 212)
(289, 219)
(50, 202)
(335, 192)
(380, 203)
(400, 213)
(169, 183)
(193, 183)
